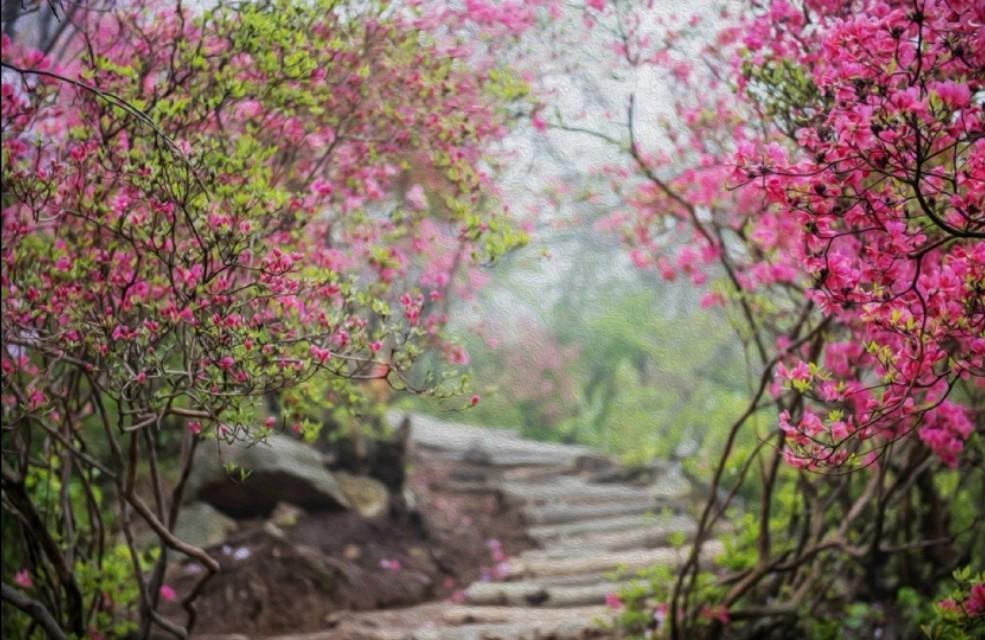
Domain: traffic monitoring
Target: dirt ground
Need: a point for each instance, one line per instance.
(300, 577)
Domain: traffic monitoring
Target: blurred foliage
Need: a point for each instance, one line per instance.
(607, 357)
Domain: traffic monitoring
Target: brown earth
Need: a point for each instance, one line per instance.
(301, 576)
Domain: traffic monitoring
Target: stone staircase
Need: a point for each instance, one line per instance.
(592, 527)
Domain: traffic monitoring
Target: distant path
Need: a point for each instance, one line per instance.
(588, 520)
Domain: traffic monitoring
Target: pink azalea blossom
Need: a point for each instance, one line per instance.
(613, 601)
(416, 198)
(23, 579)
(975, 604)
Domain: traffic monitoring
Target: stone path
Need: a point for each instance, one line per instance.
(591, 528)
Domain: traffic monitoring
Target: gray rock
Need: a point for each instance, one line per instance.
(368, 496)
(201, 525)
(274, 531)
(281, 470)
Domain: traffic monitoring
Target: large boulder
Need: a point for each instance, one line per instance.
(281, 470)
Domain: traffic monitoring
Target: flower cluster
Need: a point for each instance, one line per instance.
(243, 211)
(839, 180)
(884, 177)
(214, 213)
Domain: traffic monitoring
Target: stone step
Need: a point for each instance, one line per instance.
(441, 621)
(496, 447)
(574, 491)
(665, 524)
(563, 513)
(654, 535)
(513, 458)
(505, 459)
(576, 579)
(462, 615)
(535, 593)
(470, 487)
(573, 629)
(533, 474)
(634, 560)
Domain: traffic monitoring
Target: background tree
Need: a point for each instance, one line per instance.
(819, 166)
(204, 209)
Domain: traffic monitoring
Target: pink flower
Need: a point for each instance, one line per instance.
(319, 354)
(23, 579)
(975, 604)
(167, 593)
(226, 363)
(613, 601)
(195, 427)
(458, 355)
(598, 5)
(270, 422)
(501, 570)
(249, 109)
(375, 346)
(496, 549)
(474, 400)
(416, 198)
(390, 565)
(322, 188)
(711, 299)
(947, 604)
(800, 372)
(954, 94)
(660, 614)
(639, 258)
(718, 612)
(36, 399)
